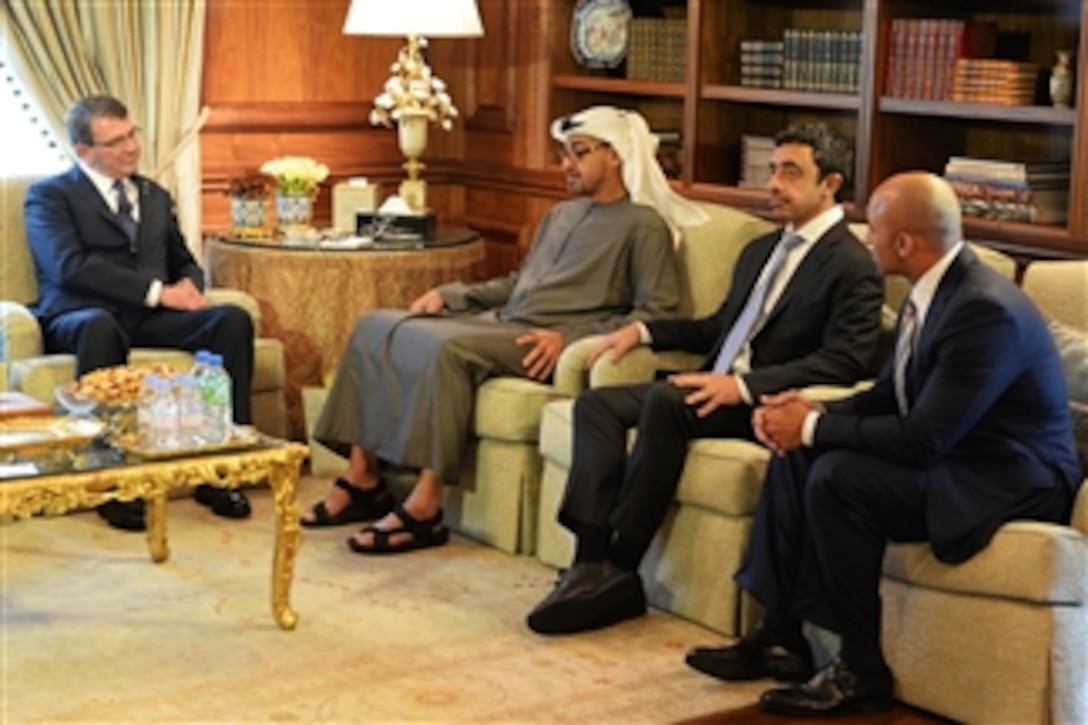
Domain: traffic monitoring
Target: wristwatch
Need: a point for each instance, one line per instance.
(599, 32)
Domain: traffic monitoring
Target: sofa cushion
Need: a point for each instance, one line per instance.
(1073, 348)
(709, 251)
(1060, 290)
(721, 475)
(724, 475)
(1025, 560)
(509, 408)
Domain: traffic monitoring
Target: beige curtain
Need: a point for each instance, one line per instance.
(148, 53)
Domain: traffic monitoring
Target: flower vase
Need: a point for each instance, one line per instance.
(1061, 81)
(294, 210)
(248, 214)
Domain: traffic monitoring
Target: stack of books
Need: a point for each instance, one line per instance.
(657, 49)
(823, 61)
(1022, 191)
(755, 161)
(1003, 82)
(761, 63)
(922, 55)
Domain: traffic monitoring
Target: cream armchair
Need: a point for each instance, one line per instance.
(24, 366)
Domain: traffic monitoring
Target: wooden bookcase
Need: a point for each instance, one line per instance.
(712, 110)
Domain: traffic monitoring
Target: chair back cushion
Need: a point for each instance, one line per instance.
(17, 280)
(709, 251)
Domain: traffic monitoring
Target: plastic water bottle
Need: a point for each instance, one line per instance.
(215, 387)
(157, 414)
(190, 411)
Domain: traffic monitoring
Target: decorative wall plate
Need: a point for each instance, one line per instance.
(599, 32)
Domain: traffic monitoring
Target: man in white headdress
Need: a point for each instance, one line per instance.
(405, 387)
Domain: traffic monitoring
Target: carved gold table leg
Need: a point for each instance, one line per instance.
(156, 527)
(284, 483)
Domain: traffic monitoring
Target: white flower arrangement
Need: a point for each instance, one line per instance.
(413, 90)
(295, 175)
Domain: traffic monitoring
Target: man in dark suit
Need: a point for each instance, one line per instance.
(803, 308)
(114, 271)
(967, 427)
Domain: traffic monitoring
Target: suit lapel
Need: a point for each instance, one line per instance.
(820, 254)
(942, 298)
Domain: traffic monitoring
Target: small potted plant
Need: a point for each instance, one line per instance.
(248, 199)
(297, 180)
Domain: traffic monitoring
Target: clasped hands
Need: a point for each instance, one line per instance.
(182, 295)
(779, 420)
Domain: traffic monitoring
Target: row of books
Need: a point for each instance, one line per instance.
(922, 54)
(823, 61)
(657, 49)
(1036, 192)
(1003, 82)
(755, 161)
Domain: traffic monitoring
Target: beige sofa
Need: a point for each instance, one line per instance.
(1028, 591)
(496, 500)
(25, 367)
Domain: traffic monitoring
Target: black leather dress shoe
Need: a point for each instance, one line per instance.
(589, 595)
(755, 656)
(227, 502)
(834, 690)
(124, 515)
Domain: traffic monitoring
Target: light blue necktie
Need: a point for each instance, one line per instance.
(124, 215)
(752, 313)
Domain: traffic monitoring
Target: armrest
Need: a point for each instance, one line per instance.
(828, 393)
(227, 296)
(571, 376)
(640, 366)
(20, 334)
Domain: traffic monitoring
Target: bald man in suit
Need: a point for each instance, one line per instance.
(966, 428)
(114, 272)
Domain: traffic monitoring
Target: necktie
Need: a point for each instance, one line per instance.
(124, 215)
(904, 346)
(752, 313)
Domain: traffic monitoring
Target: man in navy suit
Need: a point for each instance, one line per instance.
(967, 427)
(803, 308)
(114, 272)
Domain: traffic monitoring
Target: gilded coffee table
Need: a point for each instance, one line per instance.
(67, 481)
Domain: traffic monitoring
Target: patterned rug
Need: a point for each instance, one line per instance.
(93, 631)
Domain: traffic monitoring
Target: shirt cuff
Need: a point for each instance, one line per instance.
(154, 292)
(742, 388)
(808, 428)
(644, 335)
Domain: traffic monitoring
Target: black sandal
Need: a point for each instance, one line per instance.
(431, 532)
(365, 505)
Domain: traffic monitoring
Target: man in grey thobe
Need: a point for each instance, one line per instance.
(405, 388)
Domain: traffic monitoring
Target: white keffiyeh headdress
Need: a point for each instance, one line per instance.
(627, 132)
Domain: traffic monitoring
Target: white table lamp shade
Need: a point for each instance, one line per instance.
(429, 18)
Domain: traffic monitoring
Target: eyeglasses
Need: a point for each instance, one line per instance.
(118, 141)
(576, 153)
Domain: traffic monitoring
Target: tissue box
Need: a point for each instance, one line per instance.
(348, 199)
(395, 227)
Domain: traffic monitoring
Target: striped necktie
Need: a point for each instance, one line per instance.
(904, 347)
(124, 215)
(752, 314)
